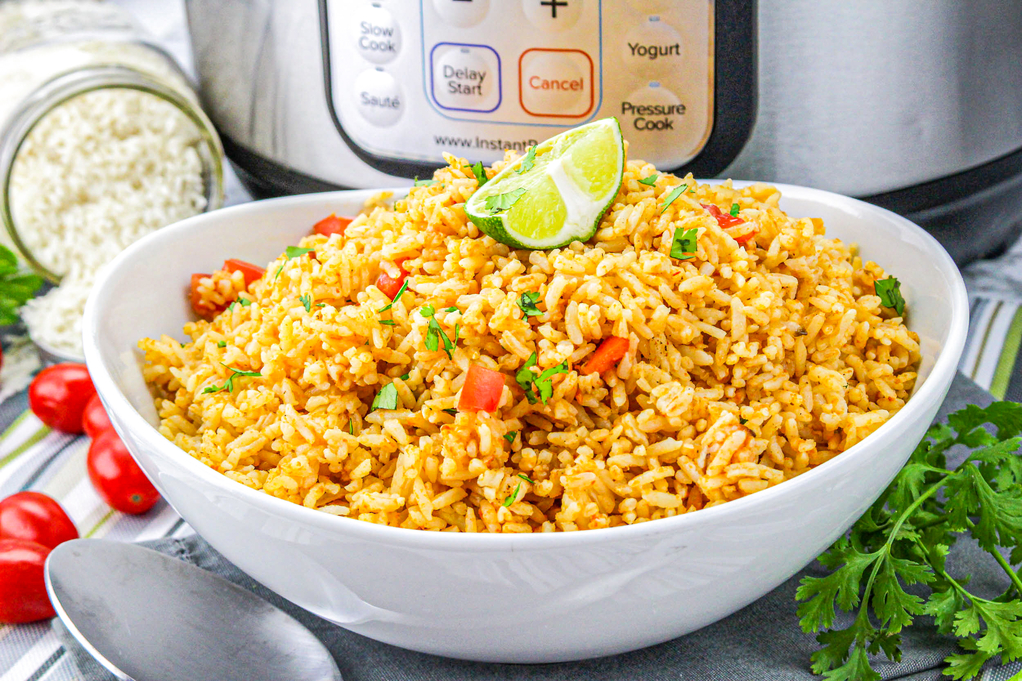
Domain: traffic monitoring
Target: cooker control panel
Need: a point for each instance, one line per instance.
(410, 79)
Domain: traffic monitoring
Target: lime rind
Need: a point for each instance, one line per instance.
(569, 188)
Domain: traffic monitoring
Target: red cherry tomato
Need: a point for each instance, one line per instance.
(202, 308)
(33, 516)
(22, 587)
(58, 396)
(116, 476)
(248, 270)
(611, 350)
(482, 390)
(331, 225)
(94, 418)
(389, 285)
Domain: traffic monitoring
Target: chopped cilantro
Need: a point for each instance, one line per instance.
(674, 194)
(244, 302)
(386, 398)
(427, 310)
(526, 478)
(388, 322)
(528, 161)
(435, 334)
(228, 385)
(477, 170)
(510, 437)
(404, 377)
(296, 252)
(685, 243)
(450, 309)
(306, 301)
(351, 426)
(511, 498)
(452, 411)
(889, 290)
(531, 383)
(734, 209)
(424, 183)
(220, 344)
(649, 180)
(320, 304)
(502, 202)
(527, 302)
(400, 292)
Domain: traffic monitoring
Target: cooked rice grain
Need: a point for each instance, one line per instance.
(747, 365)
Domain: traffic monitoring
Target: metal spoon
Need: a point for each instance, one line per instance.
(148, 617)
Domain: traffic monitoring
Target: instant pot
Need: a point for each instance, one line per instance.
(913, 106)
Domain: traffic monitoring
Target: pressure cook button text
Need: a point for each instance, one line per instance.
(377, 35)
(466, 77)
(378, 97)
(556, 83)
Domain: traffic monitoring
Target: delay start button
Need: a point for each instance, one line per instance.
(378, 97)
(466, 77)
(377, 35)
(556, 83)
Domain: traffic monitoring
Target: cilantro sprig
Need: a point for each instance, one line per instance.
(477, 170)
(538, 388)
(528, 161)
(16, 286)
(905, 538)
(435, 333)
(649, 180)
(228, 385)
(685, 243)
(527, 302)
(500, 202)
(306, 301)
(889, 290)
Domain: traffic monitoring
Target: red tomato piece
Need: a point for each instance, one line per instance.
(33, 516)
(58, 395)
(609, 353)
(482, 390)
(22, 587)
(202, 308)
(94, 418)
(251, 272)
(331, 225)
(725, 220)
(116, 476)
(388, 284)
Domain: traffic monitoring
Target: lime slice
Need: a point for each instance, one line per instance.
(573, 180)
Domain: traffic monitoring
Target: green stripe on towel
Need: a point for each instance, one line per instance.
(1009, 353)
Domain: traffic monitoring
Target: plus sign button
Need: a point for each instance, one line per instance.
(553, 15)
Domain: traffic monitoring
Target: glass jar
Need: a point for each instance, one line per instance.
(53, 51)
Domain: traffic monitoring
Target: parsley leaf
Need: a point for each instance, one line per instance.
(649, 180)
(889, 290)
(527, 303)
(904, 539)
(386, 398)
(16, 287)
(528, 161)
(424, 183)
(685, 243)
(477, 170)
(674, 194)
(531, 383)
(734, 210)
(397, 296)
(306, 301)
(510, 437)
(502, 202)
(511, 498)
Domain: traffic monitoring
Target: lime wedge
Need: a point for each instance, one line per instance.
(573, 180)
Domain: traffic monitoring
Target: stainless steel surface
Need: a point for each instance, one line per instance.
(867, 97)
(858, 98)
(146, 616)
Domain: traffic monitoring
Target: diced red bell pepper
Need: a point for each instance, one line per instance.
(389, 285)
(609, 353)
(203, 308)
(482, 390)
(331, 225)
(248, 270)
(728, 222)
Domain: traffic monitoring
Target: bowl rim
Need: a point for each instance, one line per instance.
(932, 390)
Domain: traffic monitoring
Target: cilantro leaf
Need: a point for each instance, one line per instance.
(228, 385)
(525, 378)
(501, 202)
(510, 437)
(734, 210)
(527, 303)
(528, 161)
(451, 411)
(435, 334)
(388, 322)
(397, 296)
(221, 344)
(649, 180)
(306, 301)
(296, 252)
(16, 287)
(685, 243)
(538, 388)
(386, 398)
(889, 290)
(672, 196)
(424, 183)
(513, 497)
(526, 478)
(477, 170)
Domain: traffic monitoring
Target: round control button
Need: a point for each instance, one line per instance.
(652, 47)
(650, 116)
(466, 78)
(378, 97)
(556, 82)
(553, 15)
(462, 13)
(377, 35)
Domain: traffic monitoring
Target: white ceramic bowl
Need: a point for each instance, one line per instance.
(509, 598)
